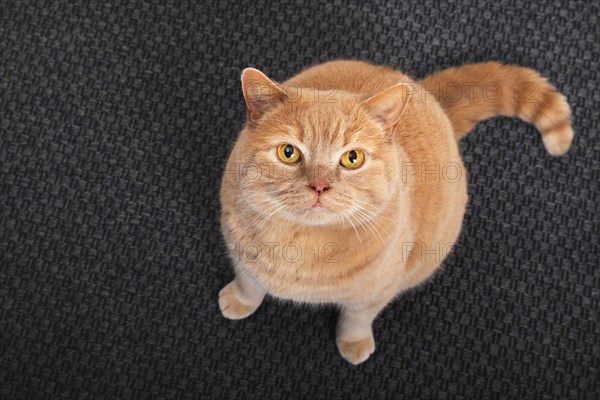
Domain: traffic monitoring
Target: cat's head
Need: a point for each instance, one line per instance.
(318, 157)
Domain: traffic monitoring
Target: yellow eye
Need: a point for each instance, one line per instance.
(352, 159)
(288, 154)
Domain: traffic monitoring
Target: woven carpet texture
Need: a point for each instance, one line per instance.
(116, 119)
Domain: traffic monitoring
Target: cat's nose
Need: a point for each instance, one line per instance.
(319, 186)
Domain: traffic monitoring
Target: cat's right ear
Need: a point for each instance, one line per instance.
(260, 93)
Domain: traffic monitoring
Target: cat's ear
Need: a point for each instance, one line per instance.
(389, 105)
(260, 93)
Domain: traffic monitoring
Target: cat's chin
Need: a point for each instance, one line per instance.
(313, 216)
(318, 216)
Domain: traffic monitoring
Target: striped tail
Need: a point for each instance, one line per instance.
(475, 92)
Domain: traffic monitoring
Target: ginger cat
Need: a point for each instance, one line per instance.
(346, 185)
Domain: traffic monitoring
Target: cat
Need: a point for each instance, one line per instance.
(346, 185)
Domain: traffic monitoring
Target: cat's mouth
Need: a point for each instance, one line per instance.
(317, 206)
(318, 213)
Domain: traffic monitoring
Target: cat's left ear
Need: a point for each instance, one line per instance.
(260, 93)
(389, 105)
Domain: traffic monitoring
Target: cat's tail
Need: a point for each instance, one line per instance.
(475, 92)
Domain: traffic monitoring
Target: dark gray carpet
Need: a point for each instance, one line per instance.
(116, 121)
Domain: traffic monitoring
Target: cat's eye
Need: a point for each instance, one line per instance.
(352, 159)
(288, 154)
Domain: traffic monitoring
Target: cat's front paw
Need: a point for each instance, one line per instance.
(357, 351)
(230, 305)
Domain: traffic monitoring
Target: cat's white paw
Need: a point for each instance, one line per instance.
(231, 307)
(358, 351)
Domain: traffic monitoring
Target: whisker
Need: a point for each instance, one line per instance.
(373, 217)
(268, 217)
(378, 214)
(355, 231)
(371, 226)
(245, 197)
(363, 222)
(272, 205)
(367, 204)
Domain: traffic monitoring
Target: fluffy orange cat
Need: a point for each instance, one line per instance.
(346, 185)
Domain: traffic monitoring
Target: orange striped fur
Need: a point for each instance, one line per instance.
(515, 91)
(379, 229)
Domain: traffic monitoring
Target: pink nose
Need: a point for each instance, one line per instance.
(319, 187)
